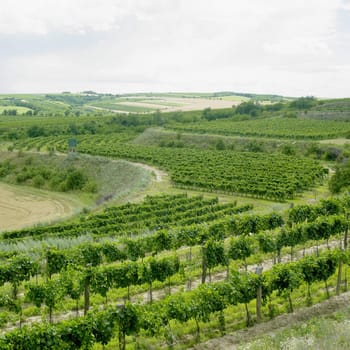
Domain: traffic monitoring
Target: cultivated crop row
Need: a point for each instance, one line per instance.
(269, 176)
(290, 128)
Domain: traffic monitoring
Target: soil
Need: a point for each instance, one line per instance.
(21, 207)
(185, 104)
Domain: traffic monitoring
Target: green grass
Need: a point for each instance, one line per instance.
(20, 110)
(130, 183)
(322, 333)
(115, 180)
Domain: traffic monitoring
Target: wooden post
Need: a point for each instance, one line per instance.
(258, 271)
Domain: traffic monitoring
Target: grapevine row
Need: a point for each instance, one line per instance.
(198, 305)
(276, 177)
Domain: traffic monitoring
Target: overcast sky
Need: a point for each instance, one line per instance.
(293, 48)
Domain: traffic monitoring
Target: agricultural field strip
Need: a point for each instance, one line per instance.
(20, 110)
(275, 177)
(17, 122)
(148, 104)
(124, 106)
(144, 105)
(61, 142)
(295, 128)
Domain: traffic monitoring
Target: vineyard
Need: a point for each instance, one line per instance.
(154, 213)
(276, 177)
(292, 128)
(170, 262)
(209, 252)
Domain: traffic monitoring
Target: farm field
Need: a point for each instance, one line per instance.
(30, 195)
(25, 206)
(292, 128)
(168, 104)
(175, 211)
(276, 176)
(75, 104)
(19, 110)
(102, 269)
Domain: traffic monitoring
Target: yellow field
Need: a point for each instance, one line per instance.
(22, 206)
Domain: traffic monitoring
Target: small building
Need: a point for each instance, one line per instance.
(72, 145)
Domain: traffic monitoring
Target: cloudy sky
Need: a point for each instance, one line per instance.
(291, 48)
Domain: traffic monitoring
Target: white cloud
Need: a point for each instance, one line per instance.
(263, 46)
(43, 16)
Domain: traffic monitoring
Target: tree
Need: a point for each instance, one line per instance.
(73, 281)
(304, 102)
(250, 107)
(36, 131)
(267, 244)
(204, 301)
(326, 267)
(220, 145)
(292, 237)
(103, 324)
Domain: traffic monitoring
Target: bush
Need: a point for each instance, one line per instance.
(76, 179)
(220, 145)
(288, 150)
(38, 181)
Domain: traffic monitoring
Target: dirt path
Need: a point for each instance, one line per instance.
(230, 342)
(159, 174)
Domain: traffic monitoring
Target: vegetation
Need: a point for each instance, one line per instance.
(277, 176)
(44, 176)
(174, 269)
(96, 179)
(277, 127)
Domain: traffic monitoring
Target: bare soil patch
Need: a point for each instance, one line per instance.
(184, 104)
(21, 206)
(159, 174)
(338, 142)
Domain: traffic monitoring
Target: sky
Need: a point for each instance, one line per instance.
(291, 48)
